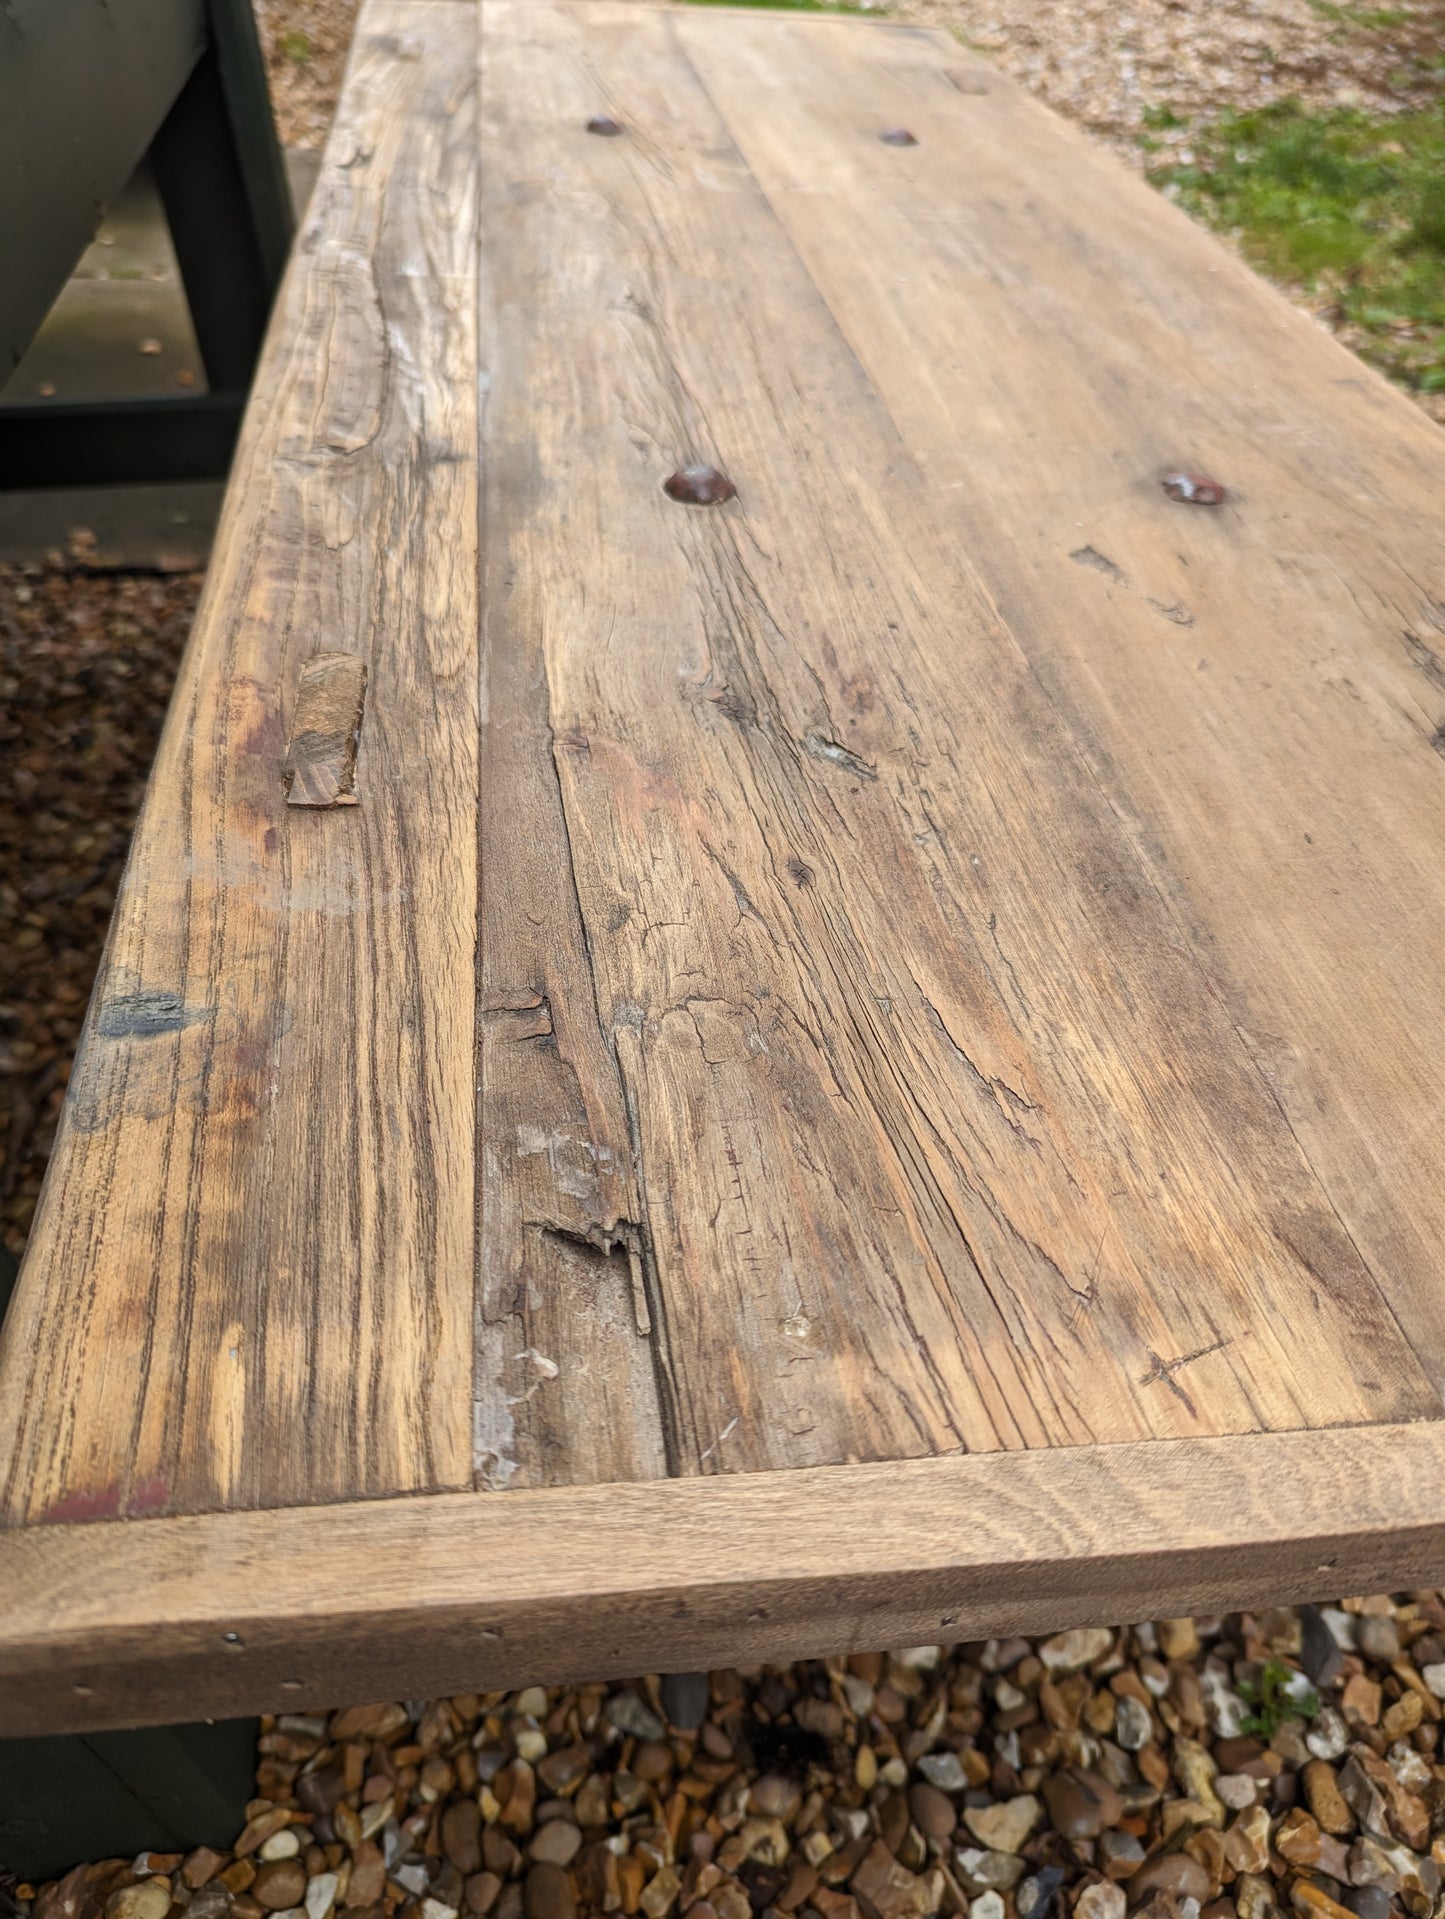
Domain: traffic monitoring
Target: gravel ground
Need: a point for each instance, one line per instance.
(1285, 1763)
(1105, 63)
(86, 668)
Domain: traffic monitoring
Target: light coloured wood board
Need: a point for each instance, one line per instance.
(250, 1278)
(230, 1612)
(944, 1130)
(863, 1066)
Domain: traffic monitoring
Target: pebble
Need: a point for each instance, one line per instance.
(213, 1901)
(933, 1811)
(547, 1893)
(201, 1867)
(944, 1770)
(1133, 1723)
(147, 1900)
(1004, 1827)
(1328, 1736)
(555, 1844)
(1070, 1652)
(1036, 1894)
(988, 1905)
(1177, 1873)
(1120, 1854)
(1195, 1770)
(279, 1885)
(481, 1892)
(281, 1845)
(1325, 1799)
(1081, 1804)
(1434, 1677)
(461, 1834)
(628, 1713)
(988, 1871)
(1246, 1844)
(1178, 1638)
(1236, 1790)
(773, 1797)
(685, 1699)
(321, 1894)
(1101, 1900)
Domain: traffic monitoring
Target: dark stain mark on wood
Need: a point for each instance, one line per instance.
(1174, 611)
(143, 1015)
(80, 1508)
(1100, 562)
(1423, 655)
(321, 756)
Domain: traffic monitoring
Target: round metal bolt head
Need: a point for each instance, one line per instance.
(699, 486)
(1194, 489)
(605, 125)
(898, 137)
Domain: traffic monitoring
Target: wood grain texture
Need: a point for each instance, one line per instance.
(249, 1281)
(931, 955)
(1258, 690)
(226, 1613)
(943, 1133)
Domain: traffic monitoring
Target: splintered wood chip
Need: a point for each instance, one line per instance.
(321, 755)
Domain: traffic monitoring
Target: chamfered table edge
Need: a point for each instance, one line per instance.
(145, 1621)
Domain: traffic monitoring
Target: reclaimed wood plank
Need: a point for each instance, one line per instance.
(1259, 688)
(250, 1276)
(943, 1137)
(411, 1598)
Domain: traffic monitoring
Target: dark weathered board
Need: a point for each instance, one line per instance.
(906, 993)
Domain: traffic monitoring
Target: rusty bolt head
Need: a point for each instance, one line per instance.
(605, 125)
(1194, 489)
(699, 486)
(898, 137)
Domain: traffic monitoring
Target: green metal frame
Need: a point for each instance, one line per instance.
(87, 87)
(107, 1795)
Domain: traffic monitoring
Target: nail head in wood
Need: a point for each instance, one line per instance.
(1193, 489)
(699, 485)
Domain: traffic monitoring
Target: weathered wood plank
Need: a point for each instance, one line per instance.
(1259, 688)
(227, 1612)
(249, 1282)
(944, 1136)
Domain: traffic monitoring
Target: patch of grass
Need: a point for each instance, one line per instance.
(1278, 1694)
(1340, 205)
(1367, 19)
(296, 46)
(795, 6)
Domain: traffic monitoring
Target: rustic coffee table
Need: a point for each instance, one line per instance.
(782, 983)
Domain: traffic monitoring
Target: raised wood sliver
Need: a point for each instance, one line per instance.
(883, 1032)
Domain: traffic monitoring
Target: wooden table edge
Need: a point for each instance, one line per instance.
(150, 1620)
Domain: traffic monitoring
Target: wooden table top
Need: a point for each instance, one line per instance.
(856, 1064)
